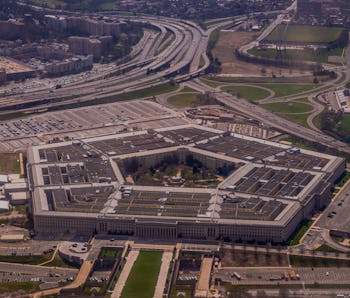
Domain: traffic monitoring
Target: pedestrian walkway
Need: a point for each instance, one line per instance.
(163, 273)
(130, 260)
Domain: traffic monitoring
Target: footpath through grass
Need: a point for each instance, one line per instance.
(247, 92)
(143, 276)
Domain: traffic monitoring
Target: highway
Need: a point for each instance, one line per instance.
(268, 118)
(152, 64)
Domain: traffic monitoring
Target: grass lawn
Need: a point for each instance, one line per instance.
(340, 182)
(185, 290)
(10, 116)
(297, 118)
(14, 286)
(301, 33)
(326, 248)
(212, 83)
(48, 3)
(189, 100)
(300, 233)
(9, 163)
(103, 5)
(346, 123)
(302, 80)
(248, 258)
(184, 100)
(59, 262)
(110, 253)
(143, 93)
(147, 92)
(300, 143)
(143, 276)
(188, 89)
(247, 92)
(304, 261)
(289, 89)
(319, 55)
(29, 260)
(288, 107)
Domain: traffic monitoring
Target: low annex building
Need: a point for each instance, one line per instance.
(250, 189)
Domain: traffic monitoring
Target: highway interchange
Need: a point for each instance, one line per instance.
(177, 50)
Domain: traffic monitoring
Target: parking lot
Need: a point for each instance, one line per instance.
(84, 122)
(283, 275)
(336, 216)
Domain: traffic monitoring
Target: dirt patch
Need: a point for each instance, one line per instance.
(9, 163)
(245, 258)
(225, 48)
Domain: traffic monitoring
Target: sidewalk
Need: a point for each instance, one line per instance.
(131, 258)
(163, 273)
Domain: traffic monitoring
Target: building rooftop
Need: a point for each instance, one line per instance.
(268, 185)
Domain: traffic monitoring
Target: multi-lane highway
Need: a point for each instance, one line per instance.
(152, 64)
(269, 118)
(177, 50)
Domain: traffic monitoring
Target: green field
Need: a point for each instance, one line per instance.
(143, 276)
(188, 89)
(14, 286)
(147, 92)
(297, 118)
(110, 253)
(297, 112)
(59, 262)
(213, 84)
(288, 107)
(190, 100)
(298, 234)
(319, 55)
(289, 89)
(302, 34)
(303, 261)
(29, 260)
(326, 248)
(247, 92)
(84, 4)
(9, 163)
(346, 123)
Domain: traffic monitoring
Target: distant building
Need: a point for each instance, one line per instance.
(11, 29)
(19, 198)
(10, 188)
(95, 46)
(69, 66)
(11, 238)
(2, 75)
(86, 26)
(309, 7)
(3, 179)
(95, 27)
(4, 206)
